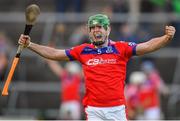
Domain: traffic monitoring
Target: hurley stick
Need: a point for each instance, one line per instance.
(32, 11)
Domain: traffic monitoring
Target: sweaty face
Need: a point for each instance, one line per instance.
(98, 34)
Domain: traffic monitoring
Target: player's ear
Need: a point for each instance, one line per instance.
(108, 30)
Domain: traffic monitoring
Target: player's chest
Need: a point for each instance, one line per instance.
(101, 56)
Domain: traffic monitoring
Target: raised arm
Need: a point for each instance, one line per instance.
(55, 67)
(44, 51)
(156, 43)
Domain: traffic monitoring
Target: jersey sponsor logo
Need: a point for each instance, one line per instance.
(97, 61)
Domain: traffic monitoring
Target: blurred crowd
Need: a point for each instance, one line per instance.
(71, 84)
(5, 48)
(122, 30)
(143, 93)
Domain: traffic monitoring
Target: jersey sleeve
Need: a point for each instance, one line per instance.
(73, 53)
(129, 48)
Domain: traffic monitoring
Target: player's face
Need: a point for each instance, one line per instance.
(98, 33)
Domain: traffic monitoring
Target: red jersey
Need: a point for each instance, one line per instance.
(146, 94)
(105, 71)
(149, 95)
(70, 86)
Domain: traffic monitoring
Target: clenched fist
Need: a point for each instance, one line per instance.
(170, 31)
(24, 40)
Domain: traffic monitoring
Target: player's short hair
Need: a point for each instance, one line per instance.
(99, 19)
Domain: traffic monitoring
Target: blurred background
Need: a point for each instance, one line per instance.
(35, 91)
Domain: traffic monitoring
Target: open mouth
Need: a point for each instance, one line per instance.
(98, 36)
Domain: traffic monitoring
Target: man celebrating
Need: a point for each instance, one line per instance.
(104, 64)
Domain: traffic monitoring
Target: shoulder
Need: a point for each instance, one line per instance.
(123, 43)
(117, 43)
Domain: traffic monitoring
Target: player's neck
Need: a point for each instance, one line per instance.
(103, 45)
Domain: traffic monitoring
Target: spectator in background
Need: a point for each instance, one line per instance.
(59, 34)
(79, 36)
(70, 76)
(143, 34)
(135, 109)
(153, 74)
(3, 54)
(108, 10)
(126, 34)
(153, 6)
(161, 5)
(66, 5)
(154, 86)
(143, 93)
(120, 6)
(176, 9)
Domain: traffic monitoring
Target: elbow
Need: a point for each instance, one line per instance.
(141, 49)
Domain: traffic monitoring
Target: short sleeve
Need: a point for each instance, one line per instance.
(127, 48)
(73, 53)
(130, 49)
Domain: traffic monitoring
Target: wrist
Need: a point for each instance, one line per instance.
(168, 37)
(29, 44)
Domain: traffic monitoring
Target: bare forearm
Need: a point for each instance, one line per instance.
(55, 67)
(48, 52)
(159, 42)
(44, 51)
(153, 45)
